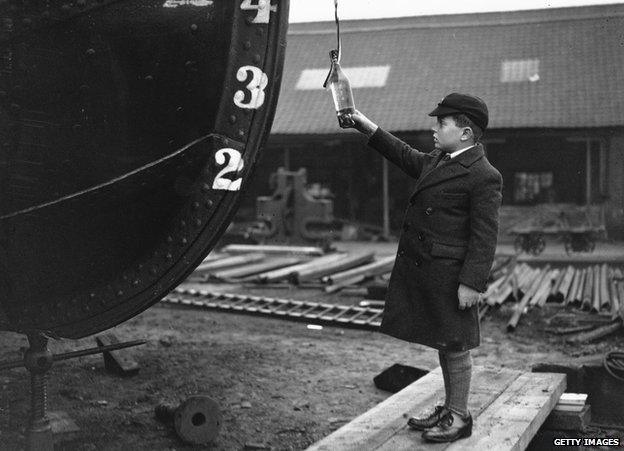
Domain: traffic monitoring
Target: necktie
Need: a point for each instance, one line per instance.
(445, 158)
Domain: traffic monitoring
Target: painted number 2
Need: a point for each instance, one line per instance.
(234, 165)
(263, 7)
(256, 87)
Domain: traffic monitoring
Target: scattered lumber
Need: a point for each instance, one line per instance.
(594, 334)
(227, 262)
(272, 249)
(322, 269)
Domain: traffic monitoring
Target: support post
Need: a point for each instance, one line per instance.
(588, 179)
(386, 200)
(38, 360)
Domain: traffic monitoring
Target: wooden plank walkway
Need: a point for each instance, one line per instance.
(508, 407)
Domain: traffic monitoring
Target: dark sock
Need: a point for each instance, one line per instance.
(459, 367)
(445, 375)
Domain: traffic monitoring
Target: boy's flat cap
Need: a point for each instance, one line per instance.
(471, 106)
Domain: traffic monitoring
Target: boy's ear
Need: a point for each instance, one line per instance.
(467, 133)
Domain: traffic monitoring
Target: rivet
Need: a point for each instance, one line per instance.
(92, 295)
(232, 119)
(193, 27)
(125, 277)
(183, 223)
(168, 256)
(206, 187)
(209, 203)
(198, 222)
(256, 58)
(120, 293)
(90, 52)
(135, 282)
(183, 241)
(170, 239)
(195, 205)
(149, 78)
(140, 266)
(241, 133)
(179, 110)
(247, 45)
(153, 270)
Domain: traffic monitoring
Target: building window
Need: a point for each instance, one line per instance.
(513, 71)
(360, 77)
(533, 187)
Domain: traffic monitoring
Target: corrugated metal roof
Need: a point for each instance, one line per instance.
(580, 81)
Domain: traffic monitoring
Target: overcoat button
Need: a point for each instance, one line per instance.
(428, 211)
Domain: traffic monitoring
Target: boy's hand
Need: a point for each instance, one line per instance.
(360, 122)
(467, 296)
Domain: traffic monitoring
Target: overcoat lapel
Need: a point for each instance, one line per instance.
(456, 167)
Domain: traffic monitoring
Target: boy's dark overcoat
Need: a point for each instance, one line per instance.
(449, 237)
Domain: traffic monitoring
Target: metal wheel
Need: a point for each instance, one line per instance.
(536, 243)
(520, 244)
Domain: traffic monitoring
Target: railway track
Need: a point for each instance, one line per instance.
(368, 318)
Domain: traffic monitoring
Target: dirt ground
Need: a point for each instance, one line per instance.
(279, 384)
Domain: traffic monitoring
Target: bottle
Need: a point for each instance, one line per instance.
(340, 88)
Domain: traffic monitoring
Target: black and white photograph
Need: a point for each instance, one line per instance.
(329, 225)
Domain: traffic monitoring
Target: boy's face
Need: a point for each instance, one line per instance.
(447, 136)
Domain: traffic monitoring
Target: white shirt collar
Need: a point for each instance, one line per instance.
(457, 152)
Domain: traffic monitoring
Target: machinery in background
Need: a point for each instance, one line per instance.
(295, 213)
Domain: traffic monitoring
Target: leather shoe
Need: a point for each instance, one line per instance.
(422, 423)
(446, 431)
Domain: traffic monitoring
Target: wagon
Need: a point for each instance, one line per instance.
(575, 228)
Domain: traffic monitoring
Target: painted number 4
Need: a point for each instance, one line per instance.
(263, 7)
(234, 165)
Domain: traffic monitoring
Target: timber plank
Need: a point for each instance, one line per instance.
(375, 427)
(486, 385)
(512, 420)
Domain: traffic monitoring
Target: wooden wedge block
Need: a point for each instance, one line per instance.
(568, 421)
(119, 361)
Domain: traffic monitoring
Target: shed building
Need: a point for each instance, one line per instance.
(552, 79)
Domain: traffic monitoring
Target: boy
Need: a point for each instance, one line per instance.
(445, 250)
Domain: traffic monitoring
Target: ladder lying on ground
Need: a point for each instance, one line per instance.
(508, 408)
(330, 314)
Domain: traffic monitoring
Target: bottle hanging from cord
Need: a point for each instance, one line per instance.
(338, 82)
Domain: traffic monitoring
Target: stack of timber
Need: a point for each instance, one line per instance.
(597, 288)
(295, 265)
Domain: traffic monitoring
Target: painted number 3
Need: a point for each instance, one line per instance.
(234, 165)
(256, 87)
(263, 7)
